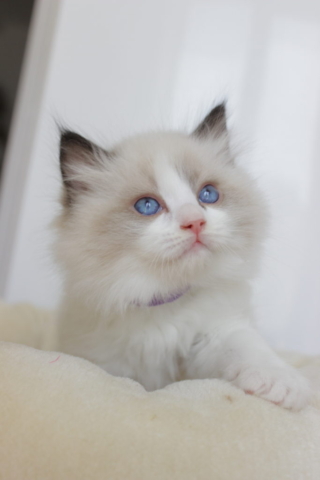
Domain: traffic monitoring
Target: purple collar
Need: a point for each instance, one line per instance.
(159, 300)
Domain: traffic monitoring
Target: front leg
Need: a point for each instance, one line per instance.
(243, 358)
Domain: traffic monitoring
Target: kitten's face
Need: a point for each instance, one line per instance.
(161, 213)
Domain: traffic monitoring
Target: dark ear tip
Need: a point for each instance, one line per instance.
(219, 111)
(215, 122)
(221, 107)
(72, 139)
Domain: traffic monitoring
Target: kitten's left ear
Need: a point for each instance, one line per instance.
(214, 124)
(79, 158)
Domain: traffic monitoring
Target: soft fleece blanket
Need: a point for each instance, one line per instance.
(63, 418)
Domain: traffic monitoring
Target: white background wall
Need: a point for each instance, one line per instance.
(115, 68)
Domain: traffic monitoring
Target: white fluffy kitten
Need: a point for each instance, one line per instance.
(159, 239)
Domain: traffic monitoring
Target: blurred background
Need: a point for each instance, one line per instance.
(109, 68)
(15, 16)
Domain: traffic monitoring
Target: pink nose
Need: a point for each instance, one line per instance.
(195, 226)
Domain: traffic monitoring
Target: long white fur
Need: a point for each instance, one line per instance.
(116, 261)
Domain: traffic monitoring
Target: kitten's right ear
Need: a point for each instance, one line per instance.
(77, 157)
(214, 124)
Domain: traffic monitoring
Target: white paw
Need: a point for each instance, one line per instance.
(282, 385)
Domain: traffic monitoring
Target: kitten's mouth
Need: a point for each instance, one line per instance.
(195, 247)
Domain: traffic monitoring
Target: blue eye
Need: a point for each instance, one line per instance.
(209, 194)
(147, 206)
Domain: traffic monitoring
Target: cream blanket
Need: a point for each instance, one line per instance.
(63, 418)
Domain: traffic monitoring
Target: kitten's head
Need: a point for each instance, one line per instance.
(156, 215)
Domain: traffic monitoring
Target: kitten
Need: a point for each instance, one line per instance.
(159, 239)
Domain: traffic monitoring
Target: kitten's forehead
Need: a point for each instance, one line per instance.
(168, 162)
(172, 186)
(170, 165)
